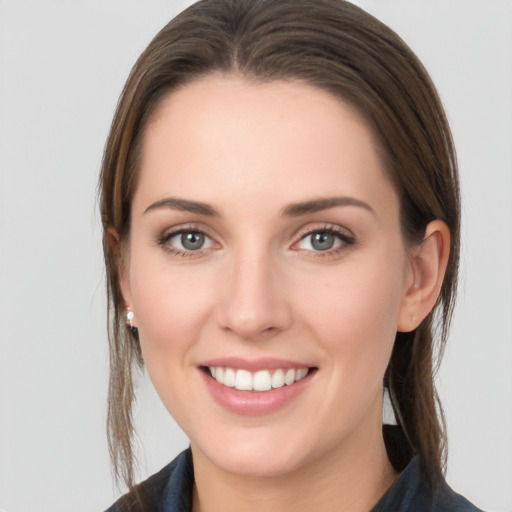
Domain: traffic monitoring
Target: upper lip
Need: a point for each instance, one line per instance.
(254, 365)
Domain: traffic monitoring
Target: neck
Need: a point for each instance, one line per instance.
(351, 477)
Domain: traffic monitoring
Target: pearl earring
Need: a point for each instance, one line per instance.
(129, 318)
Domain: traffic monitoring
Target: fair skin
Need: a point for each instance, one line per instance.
(236, 261)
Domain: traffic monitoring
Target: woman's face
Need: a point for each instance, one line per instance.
(265, 249)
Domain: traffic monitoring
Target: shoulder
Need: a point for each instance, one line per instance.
(169, 489)
(412, 492)
(447, 500)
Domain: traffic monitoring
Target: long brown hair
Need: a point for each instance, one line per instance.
(340, 48)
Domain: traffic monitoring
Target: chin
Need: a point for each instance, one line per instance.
(257, 454)
(258, 465)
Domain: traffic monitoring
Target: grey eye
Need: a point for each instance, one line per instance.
(186, 242)
(192, 240)
(322, 241)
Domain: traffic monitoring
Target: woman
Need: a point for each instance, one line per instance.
(281, 224)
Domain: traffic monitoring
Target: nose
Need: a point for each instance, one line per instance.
(254, 302)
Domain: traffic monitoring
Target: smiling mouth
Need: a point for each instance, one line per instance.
(261, 380)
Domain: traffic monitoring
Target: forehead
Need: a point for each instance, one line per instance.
(233, 101)
(227, 137)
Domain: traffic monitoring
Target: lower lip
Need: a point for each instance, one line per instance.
(254, 403)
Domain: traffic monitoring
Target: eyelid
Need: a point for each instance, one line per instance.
(207, 240)
(167, 234)
(345, 236)
(324, 226)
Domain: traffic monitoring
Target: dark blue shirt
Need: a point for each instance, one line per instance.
(170, 490)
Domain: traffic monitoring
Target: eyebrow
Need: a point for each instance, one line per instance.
(292, 210)
(186, 205)
(317, 205)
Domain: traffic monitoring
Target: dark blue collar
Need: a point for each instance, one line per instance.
(171, 490)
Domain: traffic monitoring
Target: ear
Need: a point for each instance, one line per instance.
(425, 277)
(121, 261)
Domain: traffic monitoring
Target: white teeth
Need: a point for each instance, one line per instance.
(243, 380)
(278, 379)
(289, 378)
(262, 380)
(300, 374)
(229, 378)
(219, 374)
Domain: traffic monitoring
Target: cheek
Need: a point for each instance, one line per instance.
(170, 310)
(354, 316)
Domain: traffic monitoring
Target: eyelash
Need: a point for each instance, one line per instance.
(166, 236)
(345, 240)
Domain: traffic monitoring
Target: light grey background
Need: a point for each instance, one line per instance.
(62, 66)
